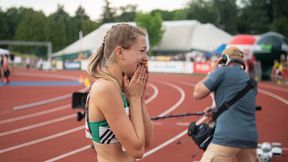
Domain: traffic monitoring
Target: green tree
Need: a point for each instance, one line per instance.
(226, 15)
(153, 25)
(127, 13)
(83, 21)
(201, 10)
(280, 16)
(108, 13)
(9, 22)
(80, 22)
(4, 28)
(179, 14)
(254, 16)
(166, 15)
(31, 28)
(280, 25)
(56, 29)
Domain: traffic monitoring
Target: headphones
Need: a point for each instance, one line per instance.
(226, 60)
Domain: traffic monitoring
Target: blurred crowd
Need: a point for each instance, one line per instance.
(279, 73)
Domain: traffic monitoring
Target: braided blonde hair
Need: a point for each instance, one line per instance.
(123, 35)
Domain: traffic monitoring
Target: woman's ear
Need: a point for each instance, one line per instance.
(119, 52)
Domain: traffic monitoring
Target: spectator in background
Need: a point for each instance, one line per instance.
(280, 70)
(284, 68)
(1, 64)
(40, 64)
(5, 69)
(28, 63)
(275, 73)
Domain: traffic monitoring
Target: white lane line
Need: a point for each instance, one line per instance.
(70, 153)
(182, 124)
(46, 75)
(35, 114)
(20, 107)
(165, 144)
(17, 130)
(42, 102)
(41, 139)
(155, 94)
(273, 87)
(38, 103)
(171, 124)
(179, 102)
(273, 96)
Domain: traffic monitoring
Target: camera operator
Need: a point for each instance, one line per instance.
(236, 133)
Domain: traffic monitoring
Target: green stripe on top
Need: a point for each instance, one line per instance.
(95, 129)
(124, 99)
(95, 126)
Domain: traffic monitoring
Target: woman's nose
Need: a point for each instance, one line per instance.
(145, 57)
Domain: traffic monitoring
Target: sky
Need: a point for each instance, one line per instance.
(93, 8)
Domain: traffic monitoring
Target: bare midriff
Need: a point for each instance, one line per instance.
(111, 153)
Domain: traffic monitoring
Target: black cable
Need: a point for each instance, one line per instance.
(177, 115)
(258, 108)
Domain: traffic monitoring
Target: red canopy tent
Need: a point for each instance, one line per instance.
(245, 42)
(243, 39)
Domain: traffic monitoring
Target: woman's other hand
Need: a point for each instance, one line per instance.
(134, 88)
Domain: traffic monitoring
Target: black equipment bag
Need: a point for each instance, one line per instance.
(202, 134)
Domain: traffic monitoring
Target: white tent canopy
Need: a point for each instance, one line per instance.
(183, 35)
(90, 42)
(4, 51)
(190, 34)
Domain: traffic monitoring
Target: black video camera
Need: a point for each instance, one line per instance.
(79, 102)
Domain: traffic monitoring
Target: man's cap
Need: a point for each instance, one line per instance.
(233, 52)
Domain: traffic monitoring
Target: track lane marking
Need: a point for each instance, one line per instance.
(46, 75)
(273, 87)
(17, 130)
(155, 149)
(38, 103)
(42, 139)
(273, 95)
(179, 102)
(43, 102)
(35, 114)
(70, 153)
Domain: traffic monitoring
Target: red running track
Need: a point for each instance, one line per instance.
(50, 132)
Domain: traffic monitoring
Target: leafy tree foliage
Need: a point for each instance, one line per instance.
(31, 27)
(127, 13)
(201, 10)
(56, 29)
(153, 25)
(108, 13)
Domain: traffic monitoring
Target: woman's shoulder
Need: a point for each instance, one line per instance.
(102, 86)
